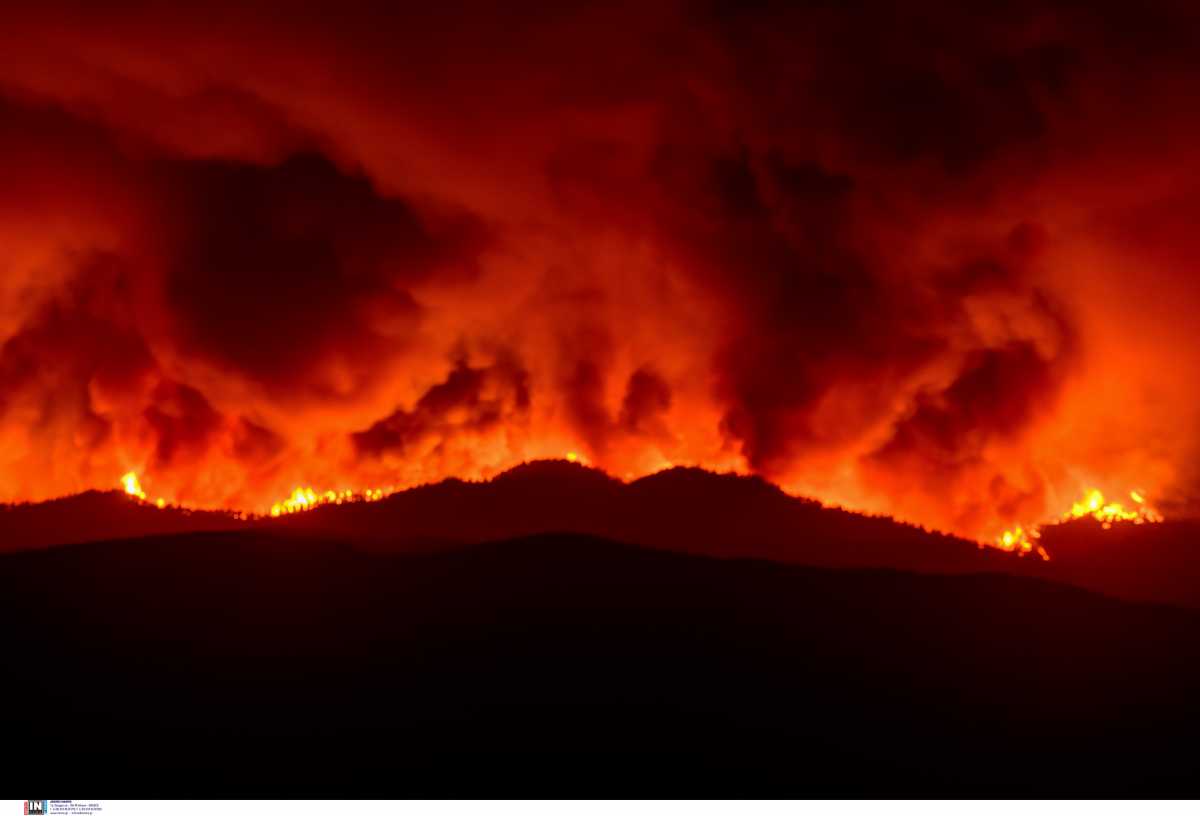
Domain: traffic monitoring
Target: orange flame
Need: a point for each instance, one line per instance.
(305, 498)
(1021, 540)
(132, 486)
(1094, 505)
(301, 499)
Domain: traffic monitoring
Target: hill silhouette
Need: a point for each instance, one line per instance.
(257, 661)
(96, 516)
(684, 510)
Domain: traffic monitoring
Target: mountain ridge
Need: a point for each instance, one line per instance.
(686, 510)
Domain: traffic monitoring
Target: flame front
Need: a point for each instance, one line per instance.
(1094, 505)
(305, 498)
(301, 499)
(1021, 540)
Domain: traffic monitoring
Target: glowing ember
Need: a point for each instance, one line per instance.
(1093, 504)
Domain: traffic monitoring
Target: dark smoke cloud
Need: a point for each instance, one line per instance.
(929, 261)
(646, 403)
(298, 266)
(469, 400)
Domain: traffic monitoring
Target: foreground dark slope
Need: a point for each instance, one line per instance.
(248, 661)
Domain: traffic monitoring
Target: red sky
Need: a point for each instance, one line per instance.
(930, 263)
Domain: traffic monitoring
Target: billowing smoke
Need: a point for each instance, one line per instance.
(937, 263)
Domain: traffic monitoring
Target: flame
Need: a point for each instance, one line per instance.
(1021, 540)
(301, 499)
(305, 498)
(132, 486)
(1094, 505)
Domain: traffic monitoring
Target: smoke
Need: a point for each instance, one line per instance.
(934, 264)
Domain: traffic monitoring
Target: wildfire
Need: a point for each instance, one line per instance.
(305, 498)
(1093, 504)
(132, 486)
(302, 498)
(1018, 539)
